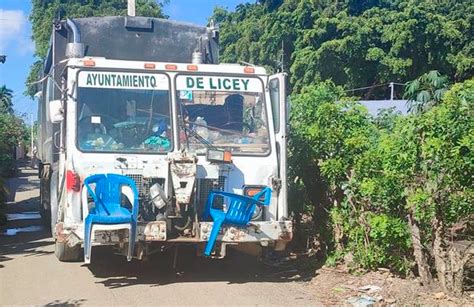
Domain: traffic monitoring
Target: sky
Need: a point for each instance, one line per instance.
(16, 43)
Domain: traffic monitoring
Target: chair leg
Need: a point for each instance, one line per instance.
(87, 241)
(131, 241)
(213, 237)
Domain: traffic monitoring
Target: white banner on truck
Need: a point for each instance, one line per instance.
(218, 83)
(141, 81)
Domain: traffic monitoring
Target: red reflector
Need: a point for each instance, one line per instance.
(73, 182)
(149, 66)
(171, 67)
(89, 63)
(249, 70)
(192, 67)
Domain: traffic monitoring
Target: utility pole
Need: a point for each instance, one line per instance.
(31, 143)
(282, 56)
(131, 8)
(391, 86)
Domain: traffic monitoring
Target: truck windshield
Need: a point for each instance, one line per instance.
(228, 112)
(123, 112)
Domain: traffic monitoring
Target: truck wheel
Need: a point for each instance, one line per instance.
(53, 197)
(43, 204)
(66, 253)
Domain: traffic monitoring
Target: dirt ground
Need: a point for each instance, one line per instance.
(335, 286)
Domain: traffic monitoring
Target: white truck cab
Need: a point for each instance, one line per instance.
(178, 129)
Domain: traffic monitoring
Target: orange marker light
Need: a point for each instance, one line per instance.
(227, 156)
(89, 63)
(150, 66)
(253, 191)
(171, 67)
(249, 70)
(192, 67)
(218, 156)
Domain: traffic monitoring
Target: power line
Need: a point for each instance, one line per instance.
(369, 87)
(366, 87)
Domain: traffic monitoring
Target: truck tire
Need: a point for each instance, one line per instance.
(53, 197)
(66, 253)
(44, 203)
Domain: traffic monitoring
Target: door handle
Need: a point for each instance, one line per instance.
(56, 139)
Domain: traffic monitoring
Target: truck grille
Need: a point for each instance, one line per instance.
(205, 186)
(138, 178)
(144, 184)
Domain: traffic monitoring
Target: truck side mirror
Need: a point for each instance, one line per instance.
(38, 95)
(56, 111)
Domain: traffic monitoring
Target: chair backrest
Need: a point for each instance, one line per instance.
(107, 193)
(240, 211)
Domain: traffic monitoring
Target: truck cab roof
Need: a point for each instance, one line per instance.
(134, 39)
(224, 68)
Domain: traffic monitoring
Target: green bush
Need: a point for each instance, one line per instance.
(374, 172)
(12, 131)
(3, 200)
(7, 165)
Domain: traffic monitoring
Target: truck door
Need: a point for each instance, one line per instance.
(277, 91)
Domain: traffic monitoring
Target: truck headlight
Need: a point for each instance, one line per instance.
(218, 156)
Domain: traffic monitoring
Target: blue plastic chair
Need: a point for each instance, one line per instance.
(107, 212)
(239, 212)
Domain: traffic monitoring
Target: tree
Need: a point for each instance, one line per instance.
(45, 12)
(335, 156)
(6, 104)
(354, 43)
(12, 130)
(382, 44)
(387, 189)
(431, 154)
(426, 91)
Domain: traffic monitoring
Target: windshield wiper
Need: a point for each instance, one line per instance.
(191, 132)
(198, 137)
(221, 130)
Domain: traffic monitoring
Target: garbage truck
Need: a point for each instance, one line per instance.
(147, 98)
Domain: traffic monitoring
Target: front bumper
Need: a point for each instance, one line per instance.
(257, 232)
(254, 232)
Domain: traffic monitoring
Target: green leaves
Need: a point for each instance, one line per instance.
(352, 43)
(366, 174)
(6, 104)
(425, 91)
(378, 170)
(12, 131)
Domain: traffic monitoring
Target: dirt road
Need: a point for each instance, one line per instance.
(30, 273)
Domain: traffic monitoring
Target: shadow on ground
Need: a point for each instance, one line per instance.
(113, 271)
(27, 244)
(70, 302)
(24, 236)
(25, 179)
(236, 268)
